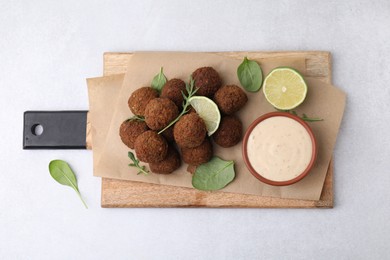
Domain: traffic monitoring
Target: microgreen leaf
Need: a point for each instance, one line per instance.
(250, 75)
(63, 174)
(159, 80)
(213, 175)
(142, 169)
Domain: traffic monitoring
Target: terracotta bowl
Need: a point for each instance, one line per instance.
(258, 174)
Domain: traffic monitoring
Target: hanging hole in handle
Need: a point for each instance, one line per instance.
(37, 129)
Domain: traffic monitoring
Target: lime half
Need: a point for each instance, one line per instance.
(284, 88)
(208, 111)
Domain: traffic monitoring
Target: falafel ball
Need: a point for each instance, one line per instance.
(191, 109)
(130, 130)
(140, 98)
(174, 90)
(198, 155)
(150, 147)
(159, 112)
(168, 134)
(191, 168)
(189, 131)
(169, 164)
(230, 99)
(207, 81)
(229, 131)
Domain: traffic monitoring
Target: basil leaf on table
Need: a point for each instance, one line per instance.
(159, 80)
(250, 75)
(63, 174)
(213, 175)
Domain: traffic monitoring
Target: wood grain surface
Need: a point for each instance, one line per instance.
(120, 193)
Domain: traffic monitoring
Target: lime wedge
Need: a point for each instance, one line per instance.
(208, 111)
(284, 88)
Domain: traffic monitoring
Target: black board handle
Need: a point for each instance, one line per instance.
(55, 129)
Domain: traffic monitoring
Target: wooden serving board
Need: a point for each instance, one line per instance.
(121, 194)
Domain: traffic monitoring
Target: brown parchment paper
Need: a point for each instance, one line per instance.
(323, 100)
(102, 93)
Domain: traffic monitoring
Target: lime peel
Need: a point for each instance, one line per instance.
(208, 111)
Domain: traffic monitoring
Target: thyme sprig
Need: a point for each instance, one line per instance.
(142, 168)
(190, 88)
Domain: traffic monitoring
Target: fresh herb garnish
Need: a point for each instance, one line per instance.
(142, 169)
(213, 175)
(63, 174)
(159, 80)
(306, 118)
(190, 92)
(250, 75)
(136, 118)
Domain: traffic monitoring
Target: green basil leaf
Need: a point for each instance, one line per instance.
(250, 75)
(213, 175)
(159, 81)
(63, 174)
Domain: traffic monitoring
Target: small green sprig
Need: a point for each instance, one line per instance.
(136, 118)
(190, 88)
(306, 118)
(142, 169)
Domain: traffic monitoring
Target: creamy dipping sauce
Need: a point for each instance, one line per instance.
(279, 148)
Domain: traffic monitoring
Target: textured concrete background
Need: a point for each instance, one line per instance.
(48, 48)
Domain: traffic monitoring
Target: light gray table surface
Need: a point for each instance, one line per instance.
(49, 48)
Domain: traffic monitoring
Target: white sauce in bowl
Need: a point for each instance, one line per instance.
(279, 148)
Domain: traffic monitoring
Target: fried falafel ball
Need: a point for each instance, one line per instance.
(189, 131)
(169, 164)
(198, 155)
(168, 134)
(140, 98)
(191, 110)
(191, 168)
(230, 99)
(159, 112)
(174, 90)
(207, 81)
(229, 131)
(130, 130)
(150, 147)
